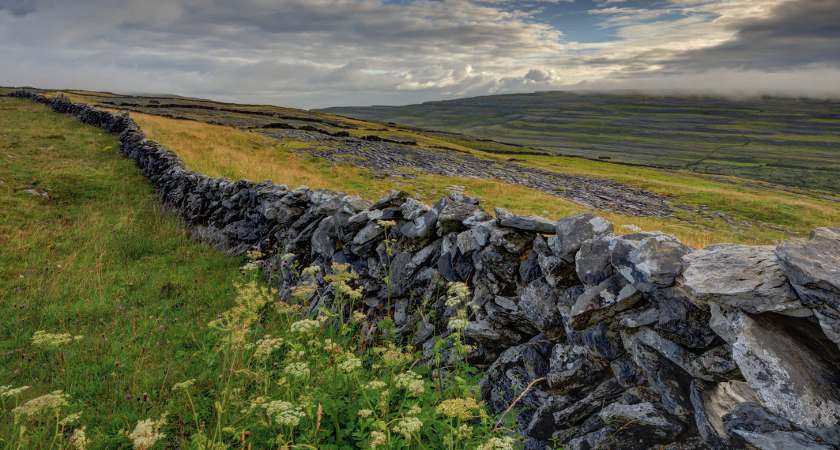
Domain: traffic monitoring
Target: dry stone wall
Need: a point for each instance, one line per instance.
(626, 341)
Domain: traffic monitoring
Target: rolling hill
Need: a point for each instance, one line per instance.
(788, 141)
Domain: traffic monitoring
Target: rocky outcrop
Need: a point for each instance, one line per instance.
(602, 341)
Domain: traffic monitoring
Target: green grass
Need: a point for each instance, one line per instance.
(100, 259)
(146, 327)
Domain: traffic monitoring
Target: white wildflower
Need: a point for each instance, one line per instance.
(9, 391)
(47, 340)
(147, 433)
(186, 384)
(266, 346)
(498, 443)
(365, 413)
(456, 294)
(378, 439)
(407, 426)
(70, 419)
(350, 364)
(78, 440)
(375, 385)
(457, 324)
(297, 370)
(305, 326)
(53, 401)
(409, 381)
(284, 413)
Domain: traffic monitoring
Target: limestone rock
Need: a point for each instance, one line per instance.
(813, 267)
(525, 223)
(573, 231)
(741, 276)
(648, 260)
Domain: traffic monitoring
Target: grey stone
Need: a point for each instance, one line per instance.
(766, 431)
(813, 267)
(573, 231)
(592, 261)
(648, 260)
(745, 277)
(649, 424)
(538, 303)
(525, 223)
(790, 365)
(603, 301)
(573, 367)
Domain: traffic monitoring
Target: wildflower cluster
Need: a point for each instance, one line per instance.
(147, 433)
(284, 413)
(47, 340)
(51, 402)
(410, 381)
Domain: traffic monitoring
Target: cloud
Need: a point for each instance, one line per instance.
(794, 35)
(337, 52)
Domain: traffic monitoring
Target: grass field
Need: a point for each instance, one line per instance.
(764, 215)
(786, 141)
(117, 331)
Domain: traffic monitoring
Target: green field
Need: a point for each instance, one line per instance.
(119, 332)
(794, 142)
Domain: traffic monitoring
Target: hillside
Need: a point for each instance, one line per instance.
(386, 313)
(120, 331)
(781, 140)
(294, 147)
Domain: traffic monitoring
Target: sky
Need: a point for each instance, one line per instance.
(318, 53)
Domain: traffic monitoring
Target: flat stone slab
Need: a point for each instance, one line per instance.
(746, 277)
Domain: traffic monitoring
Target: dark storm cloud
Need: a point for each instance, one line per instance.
(798, 33)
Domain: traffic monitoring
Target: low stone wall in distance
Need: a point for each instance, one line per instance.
(618, 341)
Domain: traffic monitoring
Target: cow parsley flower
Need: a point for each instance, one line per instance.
(350, 363)
(186, 384)
(365, 413)
(8, 391)
(378, 439)
(297, 370)
(458, 408)
(409, 381)
(53, 401)
(47, 340)
(407, 426)
(375, 385)
(284, 413)
(305, 326)
(147, 433)
(266, 346)
(456, 294)
(457, 324)
(78, 440)
(498, 443)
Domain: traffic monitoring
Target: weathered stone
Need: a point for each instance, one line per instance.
(813, 267)
(711, 403)
(592, 261)
(573, 231)
(573, 367)
(766, 431)
(643, 424)
(538, 303)
(648, 260)
(557, 272)
(790, 365)
(454, 209)
(525, 223)
(745, 277)
(603, 301)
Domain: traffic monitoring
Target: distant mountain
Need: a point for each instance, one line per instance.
(783, 140)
